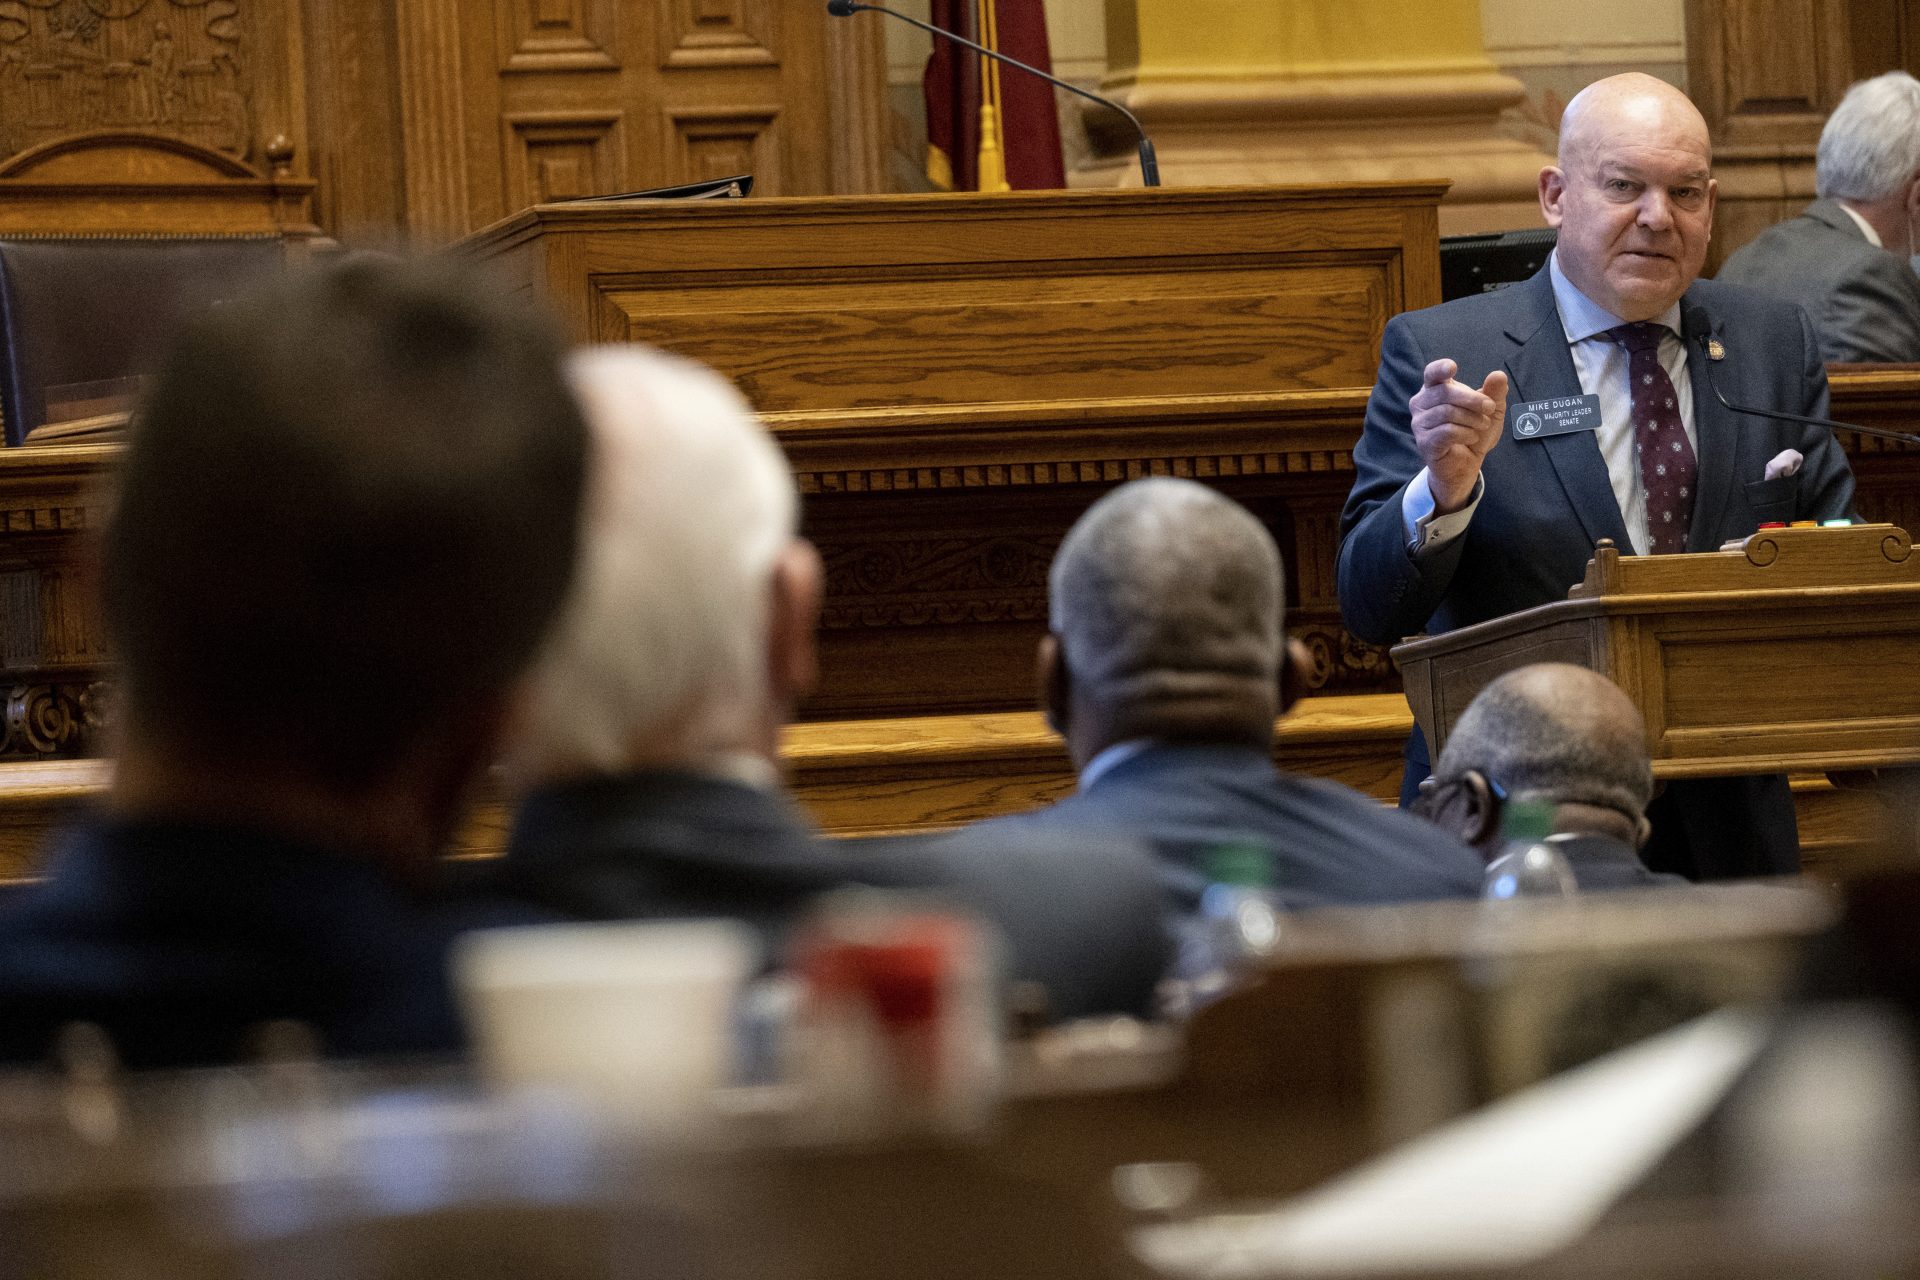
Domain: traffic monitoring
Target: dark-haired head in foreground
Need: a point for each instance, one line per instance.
(1164, 672)
(1564, 736)
(345, 517)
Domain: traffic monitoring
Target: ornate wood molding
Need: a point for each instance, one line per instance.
(1075, 471)
(45, 720)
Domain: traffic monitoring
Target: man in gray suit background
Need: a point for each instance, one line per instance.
(1846, 258)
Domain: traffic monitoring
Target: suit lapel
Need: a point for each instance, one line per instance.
(1541, 367)
(1717, 436)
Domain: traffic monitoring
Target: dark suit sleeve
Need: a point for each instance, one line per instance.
(1385, 593)
(1826, 481)
(1873, 315)
(1083, 917)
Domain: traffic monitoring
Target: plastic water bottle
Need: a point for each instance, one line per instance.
(1237, 927)
(1528, 866)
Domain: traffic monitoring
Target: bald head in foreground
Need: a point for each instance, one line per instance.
(648, 755)
(1509, 433)
(1164, 670)
(1564, 736)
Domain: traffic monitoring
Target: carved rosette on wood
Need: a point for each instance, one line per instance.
(173, 67)
(46, 720)
(1341, 663)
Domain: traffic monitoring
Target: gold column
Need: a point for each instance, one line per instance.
(1322, 91)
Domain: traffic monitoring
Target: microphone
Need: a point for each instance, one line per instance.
(1149, 163)
(1879, 433)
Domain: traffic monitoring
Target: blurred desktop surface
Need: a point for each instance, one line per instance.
(1367, 1036)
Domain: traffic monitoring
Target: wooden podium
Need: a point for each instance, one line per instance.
(955, 378)
(1793, 651)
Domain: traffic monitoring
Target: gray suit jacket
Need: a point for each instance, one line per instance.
(1864, 301)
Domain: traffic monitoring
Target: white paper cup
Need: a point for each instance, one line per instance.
(633, 1020)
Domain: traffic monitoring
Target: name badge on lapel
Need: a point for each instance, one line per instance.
(1538, 419)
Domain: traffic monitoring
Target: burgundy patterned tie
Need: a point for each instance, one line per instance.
(1667, 465)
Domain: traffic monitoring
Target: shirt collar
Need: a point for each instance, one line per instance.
(1866, 228)
(1114, 756)
(1582, 318)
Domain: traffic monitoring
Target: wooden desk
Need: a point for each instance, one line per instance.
(955, 378)
(1792, 651)
(856, 778)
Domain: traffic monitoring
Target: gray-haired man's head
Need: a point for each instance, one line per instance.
(1557, 733)
(1166, 603)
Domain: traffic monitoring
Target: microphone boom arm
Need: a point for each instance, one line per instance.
(1878, 433)
(1149, 162)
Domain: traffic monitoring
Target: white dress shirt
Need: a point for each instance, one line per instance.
(1107, 760)
(1601, 365)
(1866, 228)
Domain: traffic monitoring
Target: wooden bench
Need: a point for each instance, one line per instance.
(924, 773)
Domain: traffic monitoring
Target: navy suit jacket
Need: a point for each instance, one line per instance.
(1601, 863)
(1548, 501)
(1330, 844)
(181, 939)
(1080, 918)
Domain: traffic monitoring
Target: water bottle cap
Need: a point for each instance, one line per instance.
(1247, 865)
(1526, 820)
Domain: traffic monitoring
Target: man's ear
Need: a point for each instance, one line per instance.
(793, 624)
(1051, 681)
(1553, 189)
(1296, 669)
(1641, 831)
(1464, 806)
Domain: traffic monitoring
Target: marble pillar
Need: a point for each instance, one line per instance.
(1260, 91)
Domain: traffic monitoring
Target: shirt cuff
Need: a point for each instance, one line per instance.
(1427, 532)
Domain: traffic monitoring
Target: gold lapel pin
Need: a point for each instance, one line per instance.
(1715, 351)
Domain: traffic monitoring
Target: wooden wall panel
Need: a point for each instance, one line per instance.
(1765, 74)
(561, 155)
(355, 150)
(556, 35)
(1886, 36)
(513, 101)
(430, 118)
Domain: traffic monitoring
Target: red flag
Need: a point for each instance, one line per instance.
(984, 119)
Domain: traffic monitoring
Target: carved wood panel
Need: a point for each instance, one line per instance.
(1767, 72)
(228, 76)
(559, 155)
(701, 88)
(709, 143)
(915, 335)
(433, 117)
(556, 35)
(720, 33)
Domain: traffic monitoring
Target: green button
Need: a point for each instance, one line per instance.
(1842, 523)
